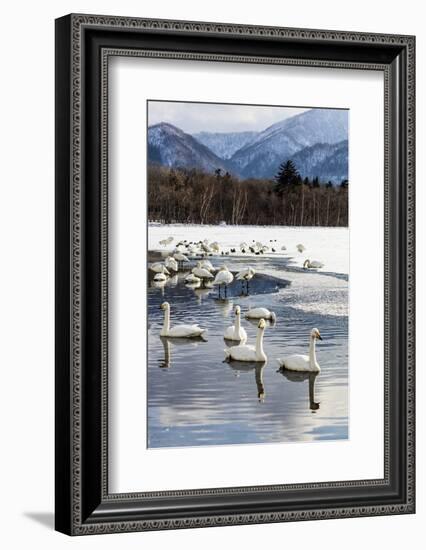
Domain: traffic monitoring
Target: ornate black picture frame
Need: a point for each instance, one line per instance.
(83, 45)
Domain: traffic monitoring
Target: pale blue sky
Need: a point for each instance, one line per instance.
(217, 117)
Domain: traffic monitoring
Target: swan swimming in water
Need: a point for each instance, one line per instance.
(236, 333)
(306, 363)
(160, 277)
(261, 313)
(191, 278)
(245, 352)
(314, 264)
(178, 331)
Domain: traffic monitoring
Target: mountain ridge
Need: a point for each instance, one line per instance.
(310, 139)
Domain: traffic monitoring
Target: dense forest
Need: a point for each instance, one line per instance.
(191, 196)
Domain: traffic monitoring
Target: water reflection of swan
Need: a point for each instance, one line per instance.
(200, 292)
(246, 352)
(224, 306)
(293, 376)
(169, 342)
(159, 284)
(236, 332)
(178, 331)
(241, 366)
(307, 363)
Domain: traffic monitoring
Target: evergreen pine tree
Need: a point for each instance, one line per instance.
(287, 175)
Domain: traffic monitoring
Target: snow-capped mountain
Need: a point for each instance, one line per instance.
(315, 140)
(225, 144)
(170, 146)
(283, 140)
(325, 161)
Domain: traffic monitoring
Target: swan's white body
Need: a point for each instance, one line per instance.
(160, 277)
(207, 265)
(158, 267)
(178, 331)
(305, 363)
(246, 274)
(180, 257)
(236, 333)
(245, 352)
(223, 277)
(202, 272)
(171, 263)
(260, 313)
(300, 248)
(314, 264)
(215, 247)
(191, 278)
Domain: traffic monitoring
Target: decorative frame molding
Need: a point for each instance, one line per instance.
(84, 43)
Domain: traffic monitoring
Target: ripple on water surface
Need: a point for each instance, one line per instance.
(195, 398)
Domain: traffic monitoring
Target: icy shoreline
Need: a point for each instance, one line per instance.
(329, 245)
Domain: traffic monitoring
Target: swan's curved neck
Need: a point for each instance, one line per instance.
(259, 343)
(237, 324)
(312, 354)
(166, 324)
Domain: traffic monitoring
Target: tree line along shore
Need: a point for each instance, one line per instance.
(196, 197)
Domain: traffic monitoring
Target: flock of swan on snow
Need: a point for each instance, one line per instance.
(203, 273)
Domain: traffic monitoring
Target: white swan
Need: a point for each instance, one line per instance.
(158, 267)
(171, 263)
(160, 277)
(207, 265)
(300, 248)
(180, 257)
(178, 331)
(314, 264)
(223, 278)
(215, 247)
(246, 274)
(202, 272)
(245, 352)
(306, 363)
(261, 313)
(191, 278)
(236, 333)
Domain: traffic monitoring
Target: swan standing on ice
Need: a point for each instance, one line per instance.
(261, 313)
(223, 278)
(315, 264)
(178, 331)
(236, 333)
(246, 275)
(245, 352)
(306, 363)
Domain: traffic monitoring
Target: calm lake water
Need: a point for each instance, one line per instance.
(195, 398)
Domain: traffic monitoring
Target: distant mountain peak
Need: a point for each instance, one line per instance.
(311, 139)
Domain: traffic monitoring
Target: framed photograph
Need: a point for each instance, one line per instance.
(234, 274)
